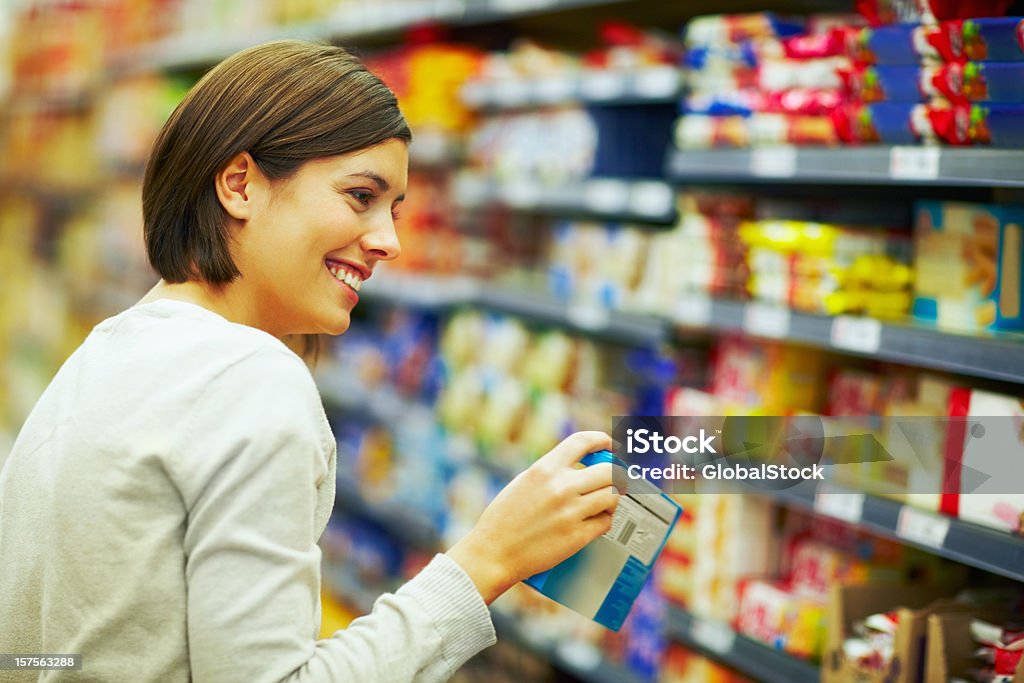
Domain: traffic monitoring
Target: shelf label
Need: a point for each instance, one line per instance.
(922, 527)
(863, 335)
(713, 636)
(658, 81)
(765, 320)
(693, 309)
(606, 196)
(512, 92)
(773, 162)
(579, 655)
(513, 6)
(554, 89)
(521, 194)
(589, 316)
(848, 507)
(650, 198)
(914, 163)
(602, 85)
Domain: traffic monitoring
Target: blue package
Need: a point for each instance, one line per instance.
(602, 580)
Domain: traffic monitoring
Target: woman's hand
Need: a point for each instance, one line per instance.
(544, 515)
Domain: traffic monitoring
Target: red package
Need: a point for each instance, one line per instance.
(815, 101)
(879, 12)
(816, 45)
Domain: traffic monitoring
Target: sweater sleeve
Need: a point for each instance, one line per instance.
(253, 566)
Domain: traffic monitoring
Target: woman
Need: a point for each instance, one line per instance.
(160, 509)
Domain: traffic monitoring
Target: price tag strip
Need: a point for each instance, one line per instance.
(848, 507)
(914, 163)
(921, 527)
(764, 320)
(862, 335)
(773, 162)
(693, 310)
(713, 636)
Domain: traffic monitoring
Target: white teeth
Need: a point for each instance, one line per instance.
(349, 278)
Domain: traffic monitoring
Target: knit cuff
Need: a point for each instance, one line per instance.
(458, 610)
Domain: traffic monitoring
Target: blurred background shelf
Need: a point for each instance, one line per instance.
(942, 535)
(939, 166)
(392, 516)
(999, 357)
(654, 85)
(721, 643)
(580, 660)
(995, 357)
(615, 199)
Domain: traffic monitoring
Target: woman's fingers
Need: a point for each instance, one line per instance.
(596, 502)
(575, 446)
(592, 478)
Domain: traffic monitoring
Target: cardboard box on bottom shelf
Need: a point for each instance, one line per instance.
(951, 649)
(849, 604)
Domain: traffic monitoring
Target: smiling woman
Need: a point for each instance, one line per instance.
(160, 509)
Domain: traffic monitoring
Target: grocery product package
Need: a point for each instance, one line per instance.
(906, 608)
(989, 453)
(602, 580)
(968, 266)
(951, 649)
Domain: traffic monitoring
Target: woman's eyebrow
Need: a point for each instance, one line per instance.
(382, 185)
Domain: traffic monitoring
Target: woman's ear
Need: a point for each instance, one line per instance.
(235, 184)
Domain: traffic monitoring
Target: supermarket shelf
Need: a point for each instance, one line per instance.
(650, 202)
(653, 85)
(400, 521)
(616, 326)
(442, 292)
(964, 542)
(941, 166)
(583, 661)
(348, 25)
(721, 643)
(996, 357)
(347, 590)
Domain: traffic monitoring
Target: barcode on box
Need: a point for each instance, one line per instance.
(627, 532)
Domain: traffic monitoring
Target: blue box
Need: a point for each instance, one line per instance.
(602, 580)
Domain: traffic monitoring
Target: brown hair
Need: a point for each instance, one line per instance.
(284, 102)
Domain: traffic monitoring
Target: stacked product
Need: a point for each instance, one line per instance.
(555, 146)
(581, 272)
(701, 255)
(685, 666)
(819, 555)
(828, 269)
(957, 82)
(968, 260)
(923, 631)
(758, 79)
(427, 80)
(530, 73)
(566, 122)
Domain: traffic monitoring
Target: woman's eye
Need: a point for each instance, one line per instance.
(362, 196)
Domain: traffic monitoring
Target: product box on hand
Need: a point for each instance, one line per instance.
(602, 580)
(967, 266)
(909, 605)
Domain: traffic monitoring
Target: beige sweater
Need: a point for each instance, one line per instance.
(159, 514)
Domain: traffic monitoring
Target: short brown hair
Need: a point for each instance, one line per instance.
(285, 102)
